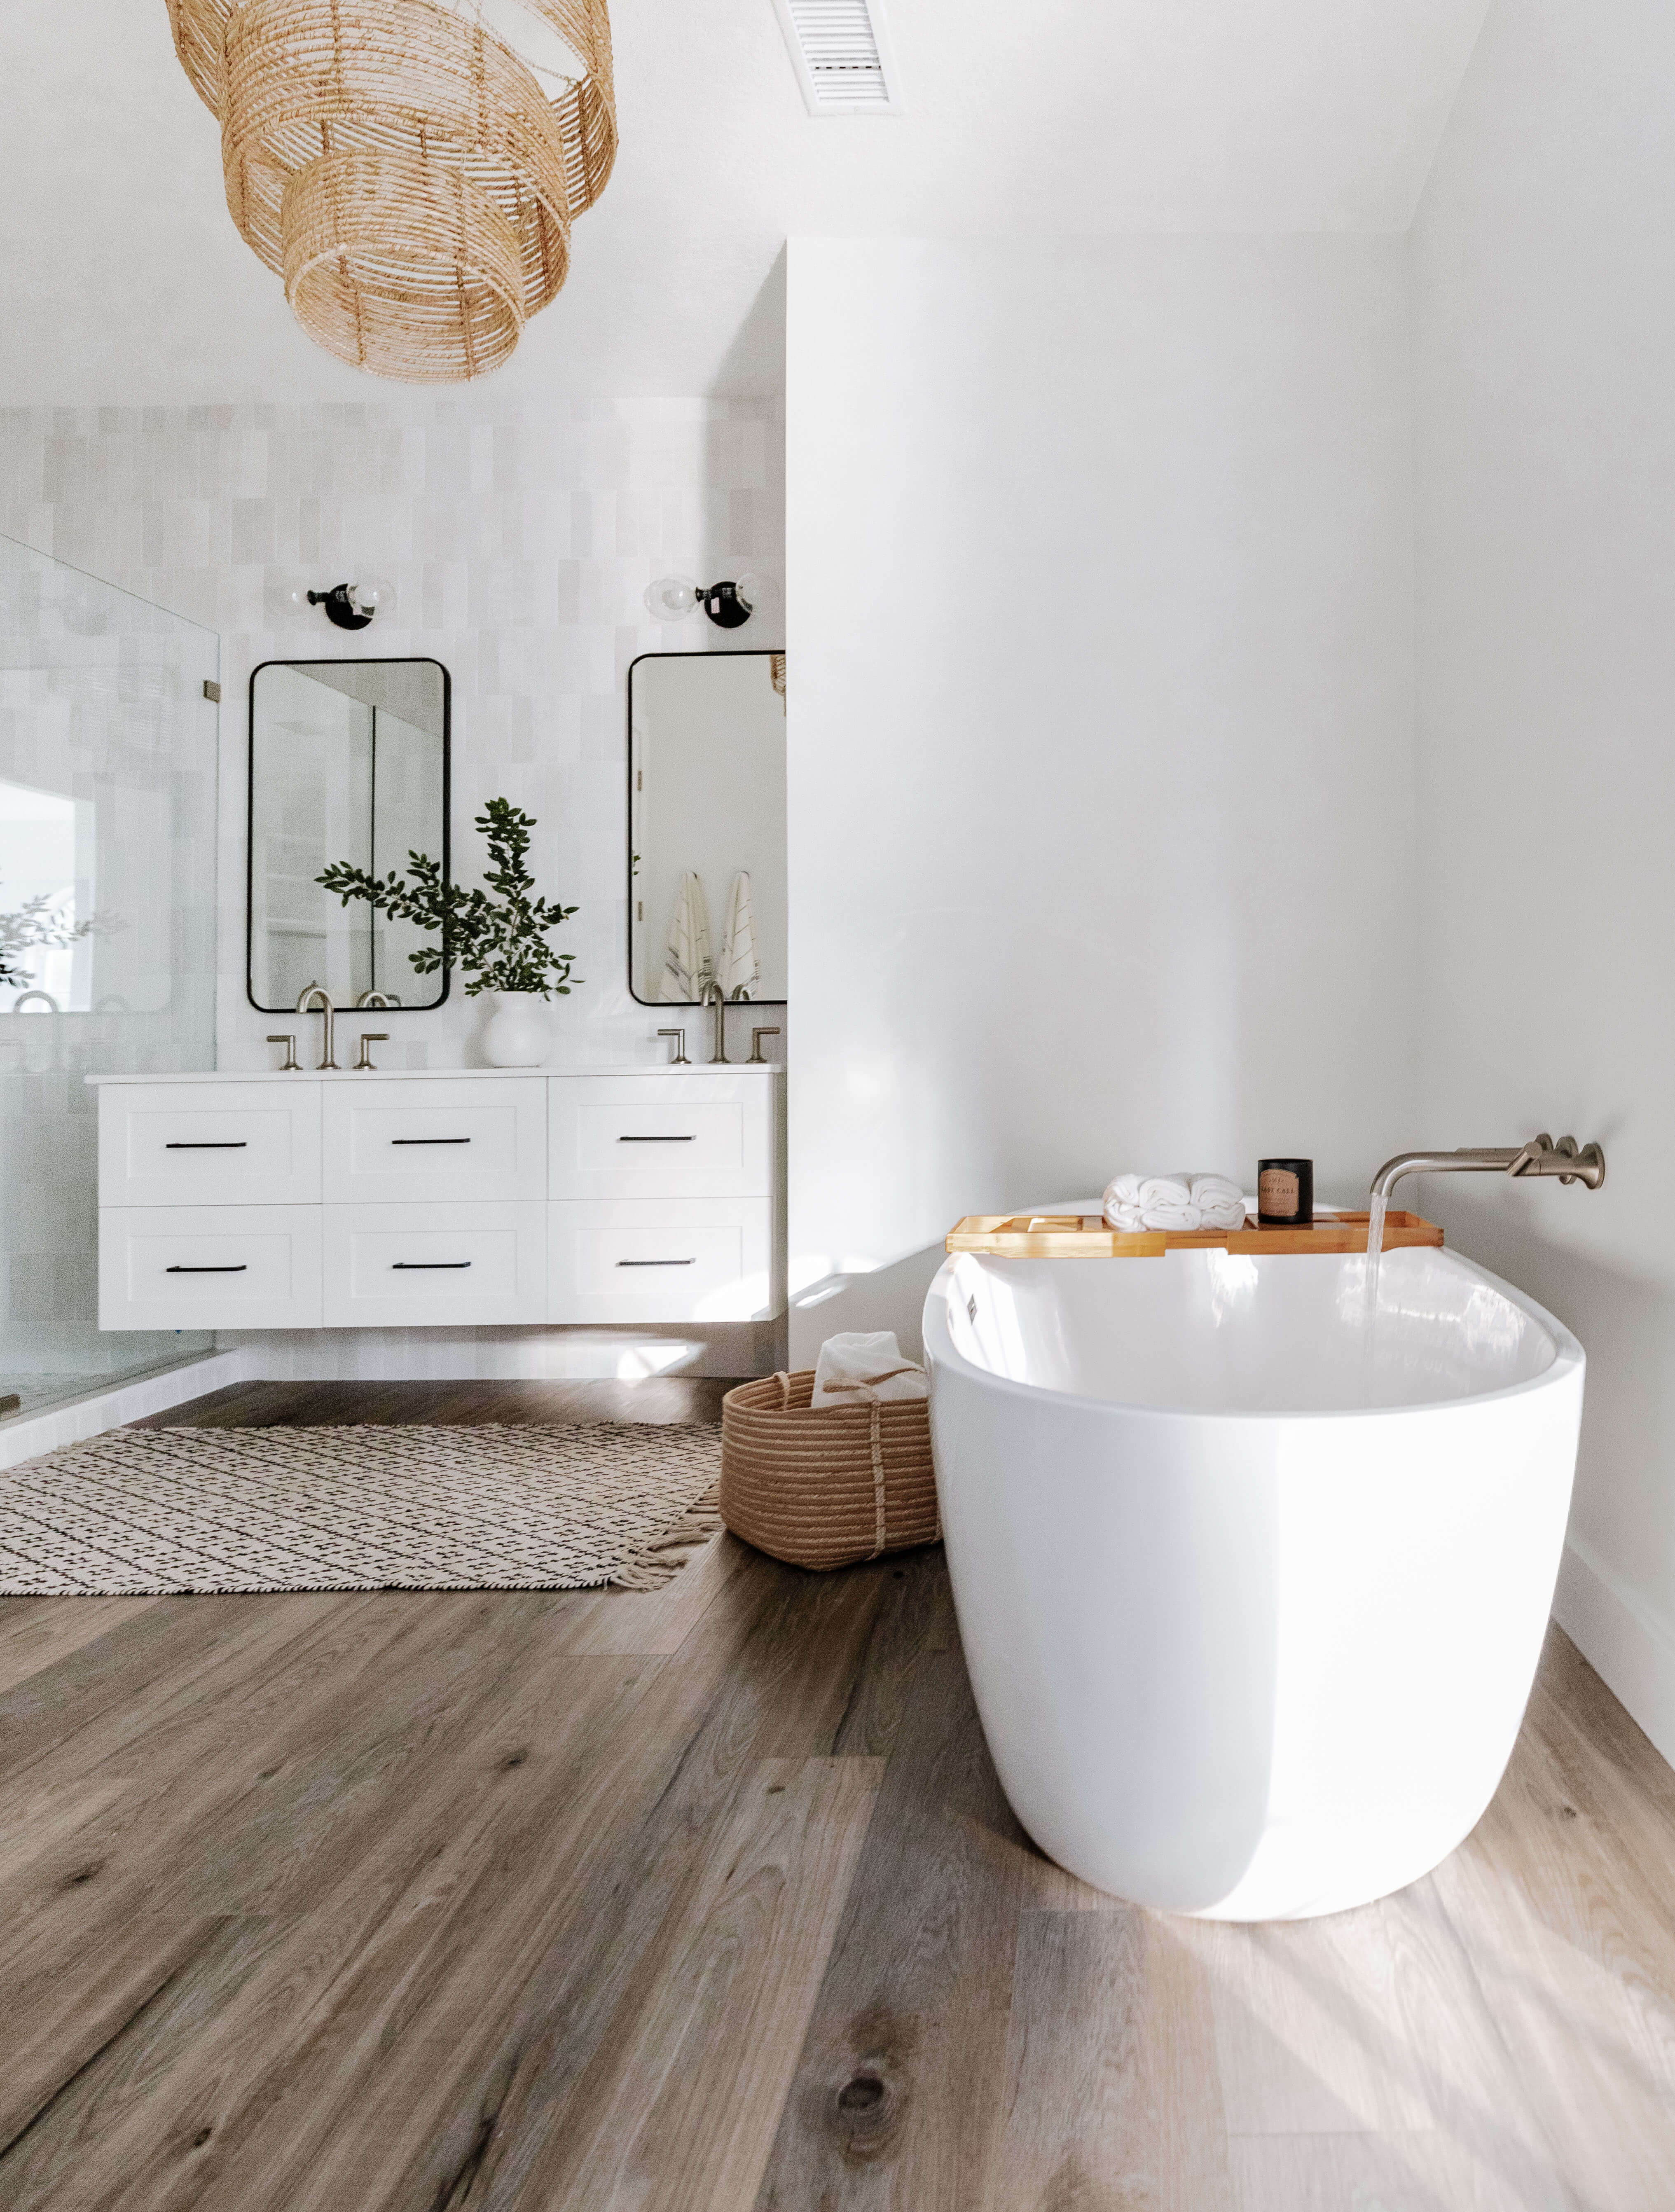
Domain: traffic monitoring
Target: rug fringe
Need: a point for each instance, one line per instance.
(661, 1561)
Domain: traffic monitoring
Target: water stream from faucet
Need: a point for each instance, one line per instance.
(1378, 1205)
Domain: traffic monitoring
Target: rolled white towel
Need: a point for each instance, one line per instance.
(1165, 1190)
(1218, 1199)
(1176, 1217)
(866, 1368)
(1209, 1188)
(1184, 1201)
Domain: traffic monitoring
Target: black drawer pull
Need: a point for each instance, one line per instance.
(430, 1140)
(657, 1140)
(657, 1263)
(206, 1144)
(419, 1267)
(239, 1270)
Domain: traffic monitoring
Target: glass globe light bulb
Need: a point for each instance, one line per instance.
(671, 599)
(758, 592)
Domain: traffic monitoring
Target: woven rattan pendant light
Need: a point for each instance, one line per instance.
(404, 169)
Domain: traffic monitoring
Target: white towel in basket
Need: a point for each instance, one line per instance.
(866, 1368)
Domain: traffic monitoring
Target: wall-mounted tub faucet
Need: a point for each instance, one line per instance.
(1540, 1157)
(317, 1001)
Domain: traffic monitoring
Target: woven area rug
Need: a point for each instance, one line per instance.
(141, 1512)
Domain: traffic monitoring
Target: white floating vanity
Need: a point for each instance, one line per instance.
(342, 1200)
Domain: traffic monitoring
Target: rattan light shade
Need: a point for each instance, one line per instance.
(403, 268)
(402, 167)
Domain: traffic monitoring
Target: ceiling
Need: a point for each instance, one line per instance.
(122, 281)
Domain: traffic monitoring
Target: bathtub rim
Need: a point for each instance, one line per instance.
(1568, 1355)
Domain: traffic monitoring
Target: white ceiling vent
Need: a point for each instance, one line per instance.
(841, 52)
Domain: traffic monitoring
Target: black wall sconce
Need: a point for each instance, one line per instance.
(728, 605)
(350, 606)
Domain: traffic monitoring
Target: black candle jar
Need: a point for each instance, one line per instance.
(1285, 1194)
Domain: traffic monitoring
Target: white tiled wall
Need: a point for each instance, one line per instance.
(519, 539)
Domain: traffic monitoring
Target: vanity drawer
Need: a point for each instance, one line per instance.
(209, 1267)
(435, 1140)
(393, 1266)
(691, 1258)
(209, 1144)
(663, 1136)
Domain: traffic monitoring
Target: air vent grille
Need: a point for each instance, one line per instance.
(842, 55)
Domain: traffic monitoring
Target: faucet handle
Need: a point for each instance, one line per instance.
(291, 1065)
(757, 1057)
(677, 1057)
(1568, 1161)
(368, 1038)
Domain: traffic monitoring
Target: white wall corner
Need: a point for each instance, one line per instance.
(1626, 1642)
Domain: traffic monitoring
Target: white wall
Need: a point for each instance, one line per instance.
(1544, 318)
(1100, 788)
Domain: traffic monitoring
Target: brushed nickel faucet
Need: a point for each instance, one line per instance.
(315, 1000)
(1540, 1157)
(715, 996)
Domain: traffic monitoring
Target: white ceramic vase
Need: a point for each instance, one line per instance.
(517, 1035)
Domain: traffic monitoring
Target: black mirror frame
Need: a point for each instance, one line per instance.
(754, 653)
(358, 660)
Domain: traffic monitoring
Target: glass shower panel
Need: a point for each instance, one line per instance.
(107, 925)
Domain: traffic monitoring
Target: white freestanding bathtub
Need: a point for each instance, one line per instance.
(1251, 1607)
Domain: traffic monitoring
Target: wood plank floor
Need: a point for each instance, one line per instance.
(708, 1898)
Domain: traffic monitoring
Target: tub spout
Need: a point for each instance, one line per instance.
(1540, 1157)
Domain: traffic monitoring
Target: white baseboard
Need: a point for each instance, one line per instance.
(1623, 1638)
(101, 1408)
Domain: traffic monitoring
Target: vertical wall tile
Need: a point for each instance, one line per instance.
(520, 538)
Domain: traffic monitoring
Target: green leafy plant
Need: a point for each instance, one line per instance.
(499, 943)
(38, 924)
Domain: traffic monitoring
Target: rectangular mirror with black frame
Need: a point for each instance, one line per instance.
(706, 814)
(349, 761)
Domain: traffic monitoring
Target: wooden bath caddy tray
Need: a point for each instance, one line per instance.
(1085, 1236)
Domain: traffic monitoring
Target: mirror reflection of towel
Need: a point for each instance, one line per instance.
(686, 958)
(740, 964)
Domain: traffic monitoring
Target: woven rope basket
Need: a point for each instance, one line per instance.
(829, 1488)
